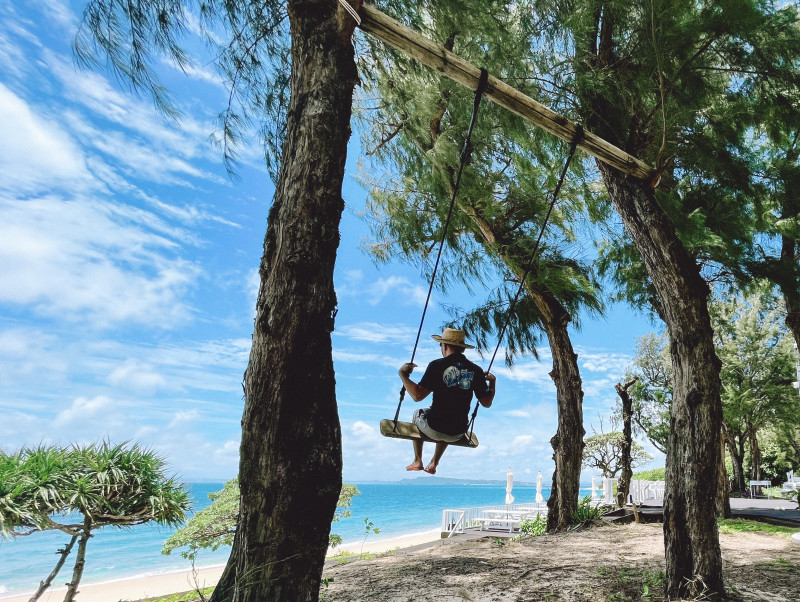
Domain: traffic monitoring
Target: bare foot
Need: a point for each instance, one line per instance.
(415, 466)
(430, 468)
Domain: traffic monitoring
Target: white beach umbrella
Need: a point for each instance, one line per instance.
(509, 486)
(594, 487)
(539, 497)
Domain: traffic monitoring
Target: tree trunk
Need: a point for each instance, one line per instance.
(568, 441)
(291, 459)
(80, 561)
(724, 489)
(736, 461)
(624, 483)
(690, 528)
(755, 454)
(47, 582)
(788, 283)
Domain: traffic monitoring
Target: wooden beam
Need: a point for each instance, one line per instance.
(453, 66)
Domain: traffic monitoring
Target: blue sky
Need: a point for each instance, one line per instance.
(128, 281)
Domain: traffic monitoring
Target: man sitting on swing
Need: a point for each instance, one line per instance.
(452, 379)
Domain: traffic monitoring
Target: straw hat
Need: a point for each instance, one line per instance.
(454, 337)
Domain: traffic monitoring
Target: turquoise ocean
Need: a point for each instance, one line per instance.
(396, 509)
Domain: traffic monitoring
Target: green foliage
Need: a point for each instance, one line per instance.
(414, 129)
(107, 485)
(250, 40)
(119, 485)
(758, 368)
(210, 528)
(215, 525)
(657, 474)
(740, 525)
(652, 582)
(776, 459)
(534, 526)
(604, 452)
(651, 394)
(758, 361)
(184, 597)
(369, 527)
(586, 513)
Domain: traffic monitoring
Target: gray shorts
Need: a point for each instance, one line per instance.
(422, 425)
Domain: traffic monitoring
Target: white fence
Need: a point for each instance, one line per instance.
(457, 520)
(640, 490)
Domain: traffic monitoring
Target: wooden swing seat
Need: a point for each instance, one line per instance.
(408, 430)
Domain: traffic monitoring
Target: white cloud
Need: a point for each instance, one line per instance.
(90, 261)
(363, 430)
(58, 13)
(200, 73)
(86, 410)
(518, 413)
(136, 375)
(229, 452)
(183, 419)
(16, 428)
(378, 333)
(526, 371)
(521, 443)
(374, 291)
(364, 358)
(401, 288)
(614, 363)
(37, 154)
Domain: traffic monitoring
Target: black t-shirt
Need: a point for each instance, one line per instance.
(453, 380)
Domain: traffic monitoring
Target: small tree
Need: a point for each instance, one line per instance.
(121, 485)
(215, 526)
(758, 367)
(652, 393)
(604, 452)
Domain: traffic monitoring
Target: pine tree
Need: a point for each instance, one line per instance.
(656, 80)
(417, 122)
(757, 372)
(290, 453)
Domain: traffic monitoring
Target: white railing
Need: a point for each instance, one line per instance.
(457, 520)
(792, 482)
(640, 490)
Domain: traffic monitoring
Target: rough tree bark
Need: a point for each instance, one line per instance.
(789, 288)
(290, 468)
(568, 442)
(690, 528)
(736, 451)
(755, 453)
(724, 489)
(624, 483)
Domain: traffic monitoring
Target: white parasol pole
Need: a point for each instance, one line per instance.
(509, 487)
(539, 497)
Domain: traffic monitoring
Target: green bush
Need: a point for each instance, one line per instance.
(586, 513)
(535, 526)
(657, 474)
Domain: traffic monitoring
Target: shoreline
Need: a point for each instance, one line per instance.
(143, 586)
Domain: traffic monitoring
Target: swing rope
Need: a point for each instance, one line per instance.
(483, 81)
(576, 139)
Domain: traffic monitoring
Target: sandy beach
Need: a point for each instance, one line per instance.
(149, 586)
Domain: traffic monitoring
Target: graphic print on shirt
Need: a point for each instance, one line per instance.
(454, 377)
